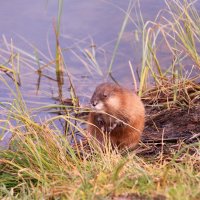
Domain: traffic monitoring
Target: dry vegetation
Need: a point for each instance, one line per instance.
(40, 162)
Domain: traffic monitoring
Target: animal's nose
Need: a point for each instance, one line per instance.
(94, 103)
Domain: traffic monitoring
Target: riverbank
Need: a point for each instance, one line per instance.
(41, 162)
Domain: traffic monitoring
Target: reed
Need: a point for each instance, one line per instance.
(179, 33)
(58, 57)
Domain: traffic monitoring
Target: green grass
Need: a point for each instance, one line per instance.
(41, 163)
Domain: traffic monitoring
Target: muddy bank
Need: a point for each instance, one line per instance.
(168, 130)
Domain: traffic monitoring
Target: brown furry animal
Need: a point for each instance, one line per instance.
(118, 115)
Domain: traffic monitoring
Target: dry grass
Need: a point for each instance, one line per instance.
(41, 162)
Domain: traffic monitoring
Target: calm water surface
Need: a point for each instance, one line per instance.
(30, 26)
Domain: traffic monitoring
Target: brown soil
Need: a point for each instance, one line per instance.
(168, 130)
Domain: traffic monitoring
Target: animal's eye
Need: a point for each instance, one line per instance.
(105, 95)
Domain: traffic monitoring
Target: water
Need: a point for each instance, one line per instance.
(29, 25)
(82, 22)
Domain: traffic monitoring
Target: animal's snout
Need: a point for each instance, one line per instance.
(94, 103)
(97, 104)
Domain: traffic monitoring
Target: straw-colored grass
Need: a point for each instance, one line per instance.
(42, 164)
(175, 29)
(41, 161)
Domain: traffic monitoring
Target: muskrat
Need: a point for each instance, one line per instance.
(118, 114)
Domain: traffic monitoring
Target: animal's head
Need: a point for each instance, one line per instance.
(106, 97)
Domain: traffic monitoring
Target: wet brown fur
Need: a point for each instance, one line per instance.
(122, 104)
